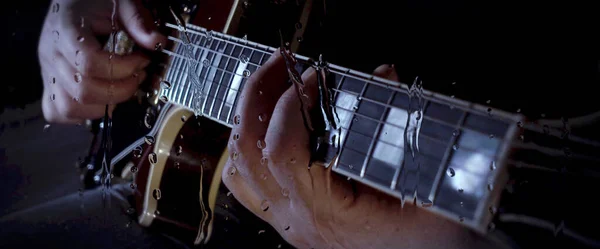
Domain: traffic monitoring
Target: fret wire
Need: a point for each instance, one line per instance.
(178, 77)
(363, 169)
(183, 94)
(219, 86)
(204, 53)
(353, 113)
(249, 63)
(228, 84)
(426, 117)
(446, 159)
(236, 97)
(208, 72)
(168, 76)
(171, 53)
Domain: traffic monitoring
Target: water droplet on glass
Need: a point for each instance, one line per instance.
(491, 136)
(455, 147)
(236, 136)
(228, 193)
(53, 80)
(246, 73)
(462, 204)
(234, 155)
(355, 120)
(490, 187)
(260, 92)
(137, 152)
(156, 213)
(158, 46)
(179, 150)
(299, 39)
(134, 169)
(287, 228)
(285, 192)
(165, 99)
(55, 8)
(261, 231)
(209, 36)
(519, 110)
(264, 205)
(461, 219)
(149, 140)
(298, 25)
(77, 77)
(488, 101)
(279, 246)
(80, 192)
(244, 59)
(492, 210)
(493, 165)
(451, 172)
(156, 194)
(165, 85)
(455, 133)
(491, 227)
(543, 115)
(522, 137)
(262, 117)
(82, 22)
(293, 160)
(183, 118)
(520, 124)
(260, 144)
(152, 158)
(206, 62)
(55, 35)
(52, 97)
(263, 176)
(263, 161)
(130, 210)
(460, 190)
(80, 39)
(426, 204)
(546, 129)
(489, 111)
(236, 119)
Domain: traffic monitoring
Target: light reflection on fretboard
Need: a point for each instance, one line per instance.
(373, 115)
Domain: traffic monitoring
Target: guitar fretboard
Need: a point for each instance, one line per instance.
(460, 166)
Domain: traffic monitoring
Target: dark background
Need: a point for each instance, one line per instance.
(541, 57)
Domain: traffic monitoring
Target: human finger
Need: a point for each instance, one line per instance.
(60, 107)
(138, 23)
(83, 51)
(257, 101)
(89, 90)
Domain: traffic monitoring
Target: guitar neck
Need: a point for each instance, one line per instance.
(454, 154)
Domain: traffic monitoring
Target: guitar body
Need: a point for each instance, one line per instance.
(178, 173)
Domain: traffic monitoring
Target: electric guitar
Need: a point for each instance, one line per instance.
(448, 156)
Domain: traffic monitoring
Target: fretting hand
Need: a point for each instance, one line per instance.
(78, 82)
(268, 173)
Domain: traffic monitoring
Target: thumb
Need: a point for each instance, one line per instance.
(138, 23)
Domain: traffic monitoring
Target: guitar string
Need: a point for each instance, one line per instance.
(230, 57)
(537, 127)
(518, 163)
